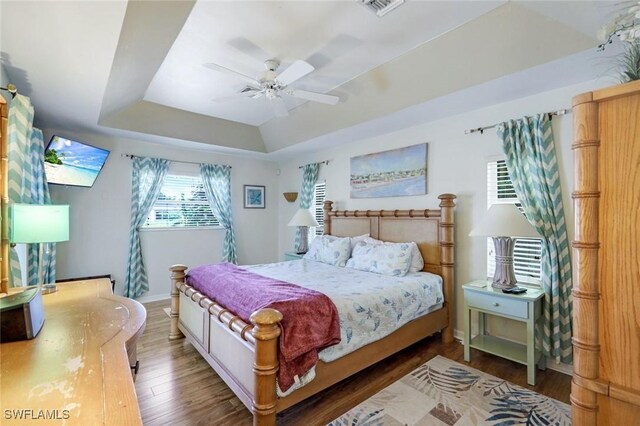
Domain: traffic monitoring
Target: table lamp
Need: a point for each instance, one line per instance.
(303, 219)
(504, 223)
(38, 224)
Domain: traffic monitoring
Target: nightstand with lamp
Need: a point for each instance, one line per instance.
(501, 296)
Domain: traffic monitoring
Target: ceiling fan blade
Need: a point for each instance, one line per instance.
(279, 107)
(234, 97)
(295, 71)
(258, 95)
(313, 96)
(225, 70)
(249, 48)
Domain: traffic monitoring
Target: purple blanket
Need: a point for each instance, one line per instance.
(310, 319)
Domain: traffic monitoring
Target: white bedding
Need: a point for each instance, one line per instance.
(371, 306)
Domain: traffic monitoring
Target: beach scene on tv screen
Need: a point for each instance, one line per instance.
(68, 162)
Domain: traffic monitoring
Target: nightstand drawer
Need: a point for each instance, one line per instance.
(499, 305)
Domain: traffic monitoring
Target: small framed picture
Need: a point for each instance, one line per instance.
(254, 197)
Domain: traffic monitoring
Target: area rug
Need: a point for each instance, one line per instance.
(443, 392)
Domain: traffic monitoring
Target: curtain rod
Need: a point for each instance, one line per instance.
(173, 161)
(482, 129)
(319, 162)
(11, 88)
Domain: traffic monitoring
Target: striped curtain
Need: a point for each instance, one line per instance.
(217, 185)
(147, 178)
(309, 179)
(19, 129)
(533, 167)
(40, 195)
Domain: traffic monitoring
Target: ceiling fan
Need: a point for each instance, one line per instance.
(273, 85)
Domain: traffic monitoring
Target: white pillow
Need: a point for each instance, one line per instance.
(356, 240)
(417, 263)
(353, 240)
(329, 249)
(386, 259)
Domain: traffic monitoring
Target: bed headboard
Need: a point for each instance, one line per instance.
(430, 229)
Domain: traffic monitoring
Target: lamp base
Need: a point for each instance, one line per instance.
(49, 288)
(504, 277)
(303, 246)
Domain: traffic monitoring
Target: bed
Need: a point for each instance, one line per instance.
(245, 355)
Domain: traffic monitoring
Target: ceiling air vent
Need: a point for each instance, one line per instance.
(381, 7)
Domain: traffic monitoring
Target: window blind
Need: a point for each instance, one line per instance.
(527, 253)
(182, 203)
(318, 206)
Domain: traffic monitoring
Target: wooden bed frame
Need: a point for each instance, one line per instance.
(245, 355)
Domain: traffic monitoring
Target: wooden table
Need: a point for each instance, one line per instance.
(77, 370)
(480, 296)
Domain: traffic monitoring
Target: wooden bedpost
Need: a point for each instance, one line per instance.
(447, 259)
(266, 330)
(327, 219)
(177, 278)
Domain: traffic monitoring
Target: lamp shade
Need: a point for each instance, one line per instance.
(504, 220)
(303, 217)
(37, 223)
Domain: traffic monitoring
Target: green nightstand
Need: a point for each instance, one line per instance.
(292, 255)
(526, 307)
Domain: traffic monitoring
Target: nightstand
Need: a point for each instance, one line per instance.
(526, 307)
(292, 255)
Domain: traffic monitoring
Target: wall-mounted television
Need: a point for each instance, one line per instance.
(69, 162)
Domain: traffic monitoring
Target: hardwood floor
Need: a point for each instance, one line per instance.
(175, 386)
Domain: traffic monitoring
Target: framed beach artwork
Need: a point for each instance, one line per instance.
(253, 197)
(395, 173)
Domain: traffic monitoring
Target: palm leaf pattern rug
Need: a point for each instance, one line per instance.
(443, 392)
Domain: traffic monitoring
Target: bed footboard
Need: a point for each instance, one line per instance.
(260, 338)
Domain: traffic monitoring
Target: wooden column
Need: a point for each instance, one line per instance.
(586, 196)
(447, 260)
(4, 198)
(327, 219)
(266, 330)
(177, 278)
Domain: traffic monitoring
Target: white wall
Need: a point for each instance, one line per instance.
(100, 217)
(457, 164)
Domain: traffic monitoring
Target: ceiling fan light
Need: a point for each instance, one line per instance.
(269, 75)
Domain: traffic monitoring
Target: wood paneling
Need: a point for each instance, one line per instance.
(176, 386)
(606, 313)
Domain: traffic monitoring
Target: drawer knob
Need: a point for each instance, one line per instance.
(496, 304)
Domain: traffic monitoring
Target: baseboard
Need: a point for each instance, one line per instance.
(551, 365)
(148, 299)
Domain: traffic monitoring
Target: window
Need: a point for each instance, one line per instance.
(527, 252)
(318, 208)
(182, 203)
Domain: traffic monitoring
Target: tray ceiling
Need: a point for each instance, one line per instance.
(135, 68)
